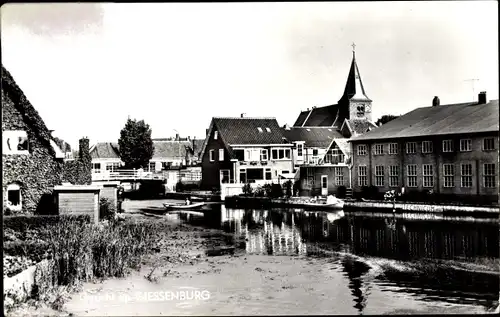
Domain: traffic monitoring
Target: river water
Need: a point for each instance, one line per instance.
(444, 263)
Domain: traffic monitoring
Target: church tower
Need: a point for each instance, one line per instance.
(355, 104)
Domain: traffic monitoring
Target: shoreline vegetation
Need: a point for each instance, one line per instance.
(79, 252)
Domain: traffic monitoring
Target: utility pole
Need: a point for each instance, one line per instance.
(473, 80)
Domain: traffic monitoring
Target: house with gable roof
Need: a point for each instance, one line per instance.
(168, 153)
(450, 150)
(245, 150)
(32, 162)
(320, 134)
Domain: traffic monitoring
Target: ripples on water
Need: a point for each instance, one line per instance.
(426, 250)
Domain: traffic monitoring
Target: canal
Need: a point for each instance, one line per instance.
(439, 262)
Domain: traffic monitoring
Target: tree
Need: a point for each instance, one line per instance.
(385, 118)
(135, 144)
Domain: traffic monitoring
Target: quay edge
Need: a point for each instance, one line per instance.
(380, 206)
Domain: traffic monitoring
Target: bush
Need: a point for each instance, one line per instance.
(21, 223)
(296, 187)
(247, 189)
(341, 192)
(179, 187)
(276, 191)
(288, 188)
(267, 190)
(107, 210)
(259, 192)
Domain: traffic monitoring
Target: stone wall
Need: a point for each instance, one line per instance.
(37, 172)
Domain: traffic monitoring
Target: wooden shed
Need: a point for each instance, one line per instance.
(78, 199)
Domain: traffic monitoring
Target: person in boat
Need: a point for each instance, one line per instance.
(188, 202)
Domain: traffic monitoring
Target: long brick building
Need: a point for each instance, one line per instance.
(450, 151)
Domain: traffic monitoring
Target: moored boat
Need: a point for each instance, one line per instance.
(184, 206)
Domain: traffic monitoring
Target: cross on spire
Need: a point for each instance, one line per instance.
(353, 47)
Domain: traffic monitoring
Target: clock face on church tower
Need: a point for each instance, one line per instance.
(368, 107)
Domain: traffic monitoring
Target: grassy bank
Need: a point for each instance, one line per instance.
(78, 251)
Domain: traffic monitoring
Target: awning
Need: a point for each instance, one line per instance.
(287, 176)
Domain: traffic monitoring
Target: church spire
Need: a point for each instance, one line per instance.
(354, 89)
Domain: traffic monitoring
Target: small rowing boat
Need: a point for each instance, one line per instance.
(184, 206)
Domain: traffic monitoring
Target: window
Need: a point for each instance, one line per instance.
(379, 175)
(339, 176)
(488, 144)
(315, 152)
(466, 175)
(14, 197)
(393, 176)
(243, 176)
(225, 176)
(300, 148)
(449, 175)
(465, 145)
(280, 154)
(215, 135)
(379, 149)
(361, 149)
(263, 155)
(260, 129)
(447, 146)
(489, 175)
(427, 147)
(268, 174)
(268, 130)
(239, 154)
(151, 165)
(360, 110)
(221, 155)
(428, 174)
(411, 175)
(96, 167)
(411, 147)
(211, 155)
(111, 167)
(254, 174)
(393, 148)
(362, 178)
(15, 142)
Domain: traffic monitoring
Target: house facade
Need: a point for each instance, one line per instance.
(168, 154)
(32, 163)
(245, 150)
(320, 134)
(451, 150)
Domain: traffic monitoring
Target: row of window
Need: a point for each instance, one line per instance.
(427, 147)
(449, 173)
(254, 154)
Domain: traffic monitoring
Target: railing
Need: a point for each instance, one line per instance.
(126, 175)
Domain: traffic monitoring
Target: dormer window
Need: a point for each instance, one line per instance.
(268, 130)
(260, 129)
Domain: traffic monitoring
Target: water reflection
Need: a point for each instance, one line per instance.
(292, 232)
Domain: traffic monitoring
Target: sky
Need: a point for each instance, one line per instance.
(87, 67)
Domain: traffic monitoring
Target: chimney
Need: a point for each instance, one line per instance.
(435, 101)
(243, 115)
(84, 148)
(481, 98)
(177, 137)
